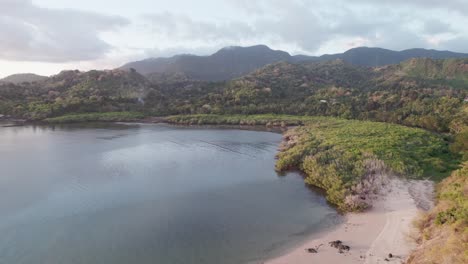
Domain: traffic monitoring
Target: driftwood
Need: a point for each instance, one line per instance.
(315, 249)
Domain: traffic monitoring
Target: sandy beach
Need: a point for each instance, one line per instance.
(373, 235)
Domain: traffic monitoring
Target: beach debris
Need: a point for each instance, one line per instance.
(335, 243)
(314, 249)
(338, 244)
(390, 255)
(343, 248)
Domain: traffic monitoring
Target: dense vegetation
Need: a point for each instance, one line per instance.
(444, 229)
(251, 120)
(408, 94)
(350, 159)
(420, 92)
(72, 92)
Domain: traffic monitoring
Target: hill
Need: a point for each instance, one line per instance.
(373, 57)
(422, 93)
(74, 91)
(233, 62)
(392, 94)
(23, 77)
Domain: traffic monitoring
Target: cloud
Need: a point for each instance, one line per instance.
(33, 33)
(303, 26)
(434, 26)
(285, 24)
(183, 27)
(460, 6)
(458, 44)
(36, 33)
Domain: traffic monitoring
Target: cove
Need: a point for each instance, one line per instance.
(149, 194)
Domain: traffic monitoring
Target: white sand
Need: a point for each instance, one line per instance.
(371, 235)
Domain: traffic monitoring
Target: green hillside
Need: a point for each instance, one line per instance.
(420, 92)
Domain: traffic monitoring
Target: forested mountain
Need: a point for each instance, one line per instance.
(233, 62)
(23, 77)
(227, 63)
(407, 93)
(74, 91)
(419, 92)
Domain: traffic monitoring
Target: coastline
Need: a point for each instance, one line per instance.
(372, 235)
(149, 121)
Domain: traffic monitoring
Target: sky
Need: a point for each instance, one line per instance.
(47, 36)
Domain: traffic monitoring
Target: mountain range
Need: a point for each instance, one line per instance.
(233, 62)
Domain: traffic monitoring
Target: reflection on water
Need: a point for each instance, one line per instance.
(148, 194)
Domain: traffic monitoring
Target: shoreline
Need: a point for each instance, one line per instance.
(372, 235)
(274, 129)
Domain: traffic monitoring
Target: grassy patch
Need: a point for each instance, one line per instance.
(96, 117)
(347, 157)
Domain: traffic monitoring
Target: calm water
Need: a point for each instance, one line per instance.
(148, 194)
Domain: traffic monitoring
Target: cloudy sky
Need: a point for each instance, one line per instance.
(46, 36)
